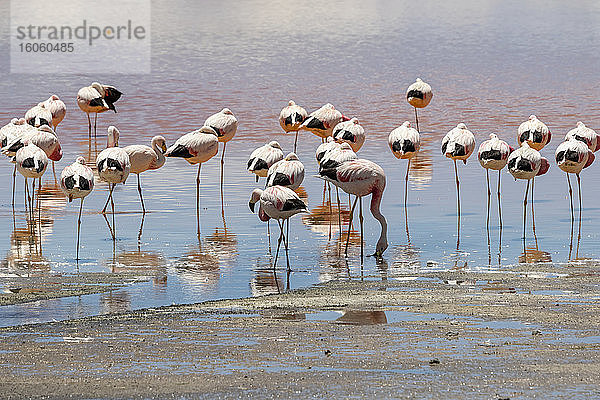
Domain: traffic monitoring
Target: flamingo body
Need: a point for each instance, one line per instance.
(57, 108)
(527, 163)
(419, 94)
(586, 135)
(404, 141)
(77, 180)
(336, 156)
(277, 202)
(350, 132)
(322, 121)
(196, 147)
(43, 137)
(13, 130)
(573, 155)
(263, 158)
(143, 158)
(38, 116)
(31, 161)
(288, 172)
(324, 147)
(113, 162)
(459, 143)
(224, 123)
(97, 98)
(534, 132)
(292, 116)
(493, 153)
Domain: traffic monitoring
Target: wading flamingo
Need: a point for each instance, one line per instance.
(262, 158)
(493, 154)
(419, 95)
(290, 119)
(322, 121)
(37, 116)
(405, 142)
(57, 108)
(225, 124)
(143, 158)
(350, 132)
(97, 98)
(458, 144)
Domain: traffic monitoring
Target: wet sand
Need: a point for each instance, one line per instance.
(529, 332)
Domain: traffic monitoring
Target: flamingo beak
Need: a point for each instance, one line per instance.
(251, 205)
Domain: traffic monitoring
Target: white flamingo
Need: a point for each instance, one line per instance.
(324, 147)
(225, 124)
(263, 157)
(458, 144)
(534, 132)
(350, 132)
(322, 121)
(37, 116)
(77, 181)
(290, 119)
(360, 178)
(405, 142)
(493, 154)
(143, 158)
(419, 95)
(31, 162)
(526, 163)
(44, 138)
(113, 167)
(279, 203)
(586, 135)
(97, 98)
(9, 133)
(57, 108)
(196, 147)
(572, 156)
(288, 172)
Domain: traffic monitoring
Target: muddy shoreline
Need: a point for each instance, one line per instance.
(530, 331)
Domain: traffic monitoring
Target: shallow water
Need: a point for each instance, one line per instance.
(490, 66)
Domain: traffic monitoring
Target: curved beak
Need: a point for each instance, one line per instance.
(251, 205)
(164, 148)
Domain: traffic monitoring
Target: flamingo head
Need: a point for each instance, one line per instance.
(160, 142)
(99, 88)
(292, 157)
(254, 198)
(406, 124)
(113, 136)
(226, 111)
(275, 144)
(291, 103)
(80, 160)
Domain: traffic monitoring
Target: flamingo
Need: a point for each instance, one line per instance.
(262, 158)
(572, 156)
(360, 178)
(225, 124)
(350, 132)
(57, 108)
(77, 181)
(16, 128)
(37, 116)
(586, 135)
(44, 138)
(419, 95)
(279, 203)
(143, 158)
(322, 121)
(113, 167)
(493, 154)
(526, 163)
(324, 147)
(458, 144)
(291, 117)
(288, 172)
(405, 142)
(31, 162)
(97, 98)
(196, 147)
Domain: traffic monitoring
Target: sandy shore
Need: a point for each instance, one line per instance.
(530, 332)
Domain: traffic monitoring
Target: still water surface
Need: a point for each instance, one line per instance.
(491, 64)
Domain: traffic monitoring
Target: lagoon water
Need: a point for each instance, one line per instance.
(491, 64)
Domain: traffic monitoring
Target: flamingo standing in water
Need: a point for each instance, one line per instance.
(113, 167)
(526, 163)
(97, 98)
(44, 138)
(405, 142)
(196, 147)
(537, 135)
(225, 124)
(32, 162)
(143, 158)
(458, 144)
(322, 121)
(57, 108)
(493, 154)
(419, 95)
(290, 119)
(360, 178)
(37, 116)
(350, 132)
(16, 128)
(77, 181)
(279, 203)
(262, 158)
(586, 135)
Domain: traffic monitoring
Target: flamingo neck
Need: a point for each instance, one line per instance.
(382, 243)
(160, 157)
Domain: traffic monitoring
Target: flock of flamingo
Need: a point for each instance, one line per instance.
(32, 142)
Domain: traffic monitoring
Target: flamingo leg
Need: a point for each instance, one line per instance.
(337, 193)
(571, 197)
(580, 208)
(26, 191)
(140, 192)
(360, 219)
(54, 172)
(95, 120)
(89, 126)
(112, 206)
(489, 198)
(499, 201)
(330, 209)
(350, 224)
(222, 163)
(198, 198)
(39, 202)
(140, 232)
(532, 205)
(296, 141)
(78, 229)
(525, 210)
(278, 244)
(406, 183)
(107, 199)
(13, 184)
(417, 119)
(32, 201)
(269, 234)
(286, 244)
(457, 188)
